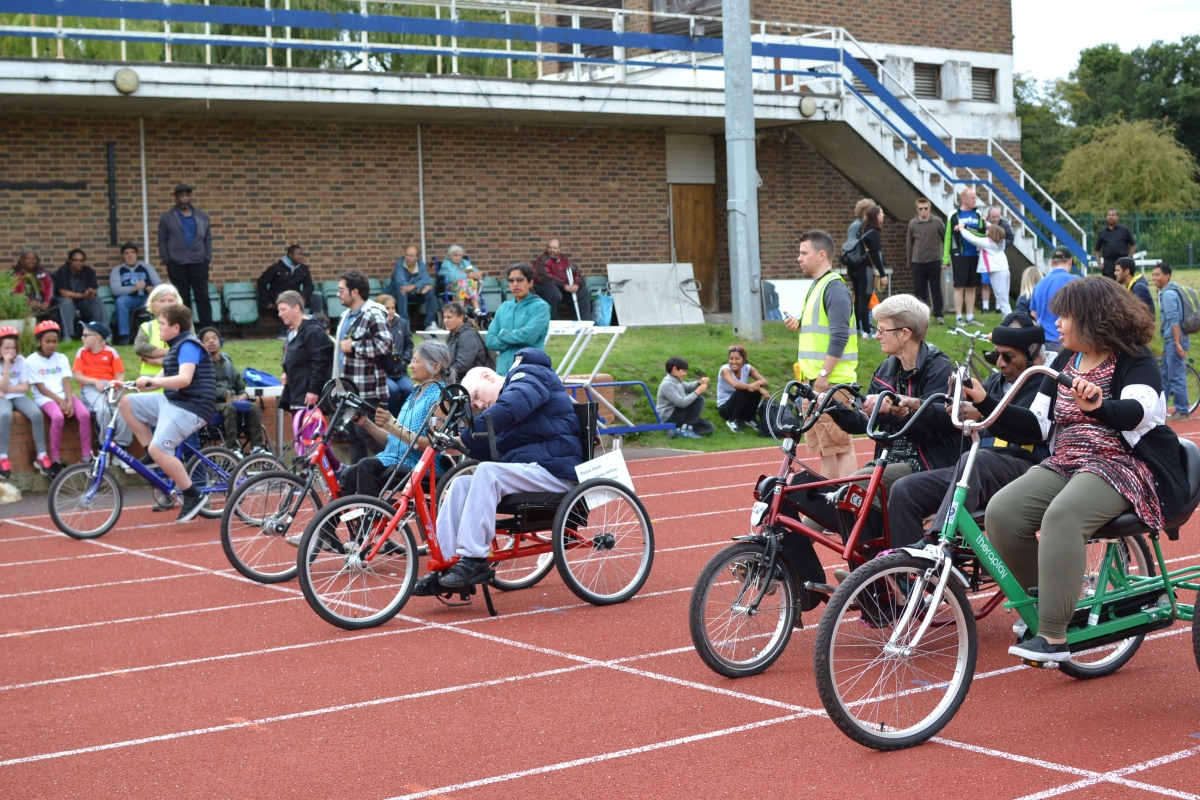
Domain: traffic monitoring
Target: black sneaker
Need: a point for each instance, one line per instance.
(1038, 649)
(464, 572)
(191, 507)
(56, 468)
(428, 586)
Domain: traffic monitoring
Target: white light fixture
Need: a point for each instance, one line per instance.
(126, 81)
(808, 106)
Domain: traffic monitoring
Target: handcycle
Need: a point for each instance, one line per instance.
(85, 500)
(896, 647)
(358, 558)
(749, 597)
(980, 367)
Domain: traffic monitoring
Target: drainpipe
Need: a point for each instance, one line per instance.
(145, 207)
(421, 191)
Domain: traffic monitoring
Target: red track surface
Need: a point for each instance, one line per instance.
(142, 664)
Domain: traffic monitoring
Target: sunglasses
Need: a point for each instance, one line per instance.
(996, 356)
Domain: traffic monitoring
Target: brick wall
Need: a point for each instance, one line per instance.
(348, 192)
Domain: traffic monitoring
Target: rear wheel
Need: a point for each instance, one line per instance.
(1107, 659)
(879, 689)
(260, 514)
(740, 617)
(1193, 387)
(254, 464)
(213, 482)
(603, 542)
(79, 515)
(339, 583)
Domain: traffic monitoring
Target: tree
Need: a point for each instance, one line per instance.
(1128, 165)
(1046, 136)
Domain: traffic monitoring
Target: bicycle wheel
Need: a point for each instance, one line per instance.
(603, 542)
(729, 637)
(885, 694)
(1196, 631)
(1107, 659)
(1193, 387)
(77, 515)
(213, 482)
(341, 587)
(254, 464)
(260, 513)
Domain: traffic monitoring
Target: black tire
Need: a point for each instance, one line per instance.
(80, 518)
(1196, 630)
(603, 542)
(1109, 658)
(337, 585)
(867, 700)
(1193, 387)
(464, 467)
(258, 517)
(727, 639)
(204, 477)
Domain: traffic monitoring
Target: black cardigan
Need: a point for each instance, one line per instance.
(1158, 447)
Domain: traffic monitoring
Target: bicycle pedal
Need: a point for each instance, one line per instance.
(1040, 664)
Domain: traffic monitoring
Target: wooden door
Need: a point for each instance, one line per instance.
(693, 207)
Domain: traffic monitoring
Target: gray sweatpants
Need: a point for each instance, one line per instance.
(102, 412)
(466, 521)
(1068, 513)
(31, 412)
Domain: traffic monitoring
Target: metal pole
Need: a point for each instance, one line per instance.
(421, 191)
(744, 266)
(145, 205)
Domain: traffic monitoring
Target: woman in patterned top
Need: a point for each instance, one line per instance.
(1111, 452)
(430, 371)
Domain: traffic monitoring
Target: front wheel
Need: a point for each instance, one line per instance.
(83, 505)
(603, 542)
(213, 482)
(261, 513)
(343, 587)
(879, 688)
(740, 616)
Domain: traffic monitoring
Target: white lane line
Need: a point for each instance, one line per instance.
(47, 516)
(38, 561)
(98, 585)
(739, 510)
(579, 762)
(164, 615)
(4, 540)
(1117, 776)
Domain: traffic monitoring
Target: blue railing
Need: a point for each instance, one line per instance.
(1035, 217)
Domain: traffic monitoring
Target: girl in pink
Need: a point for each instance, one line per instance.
(50, 375)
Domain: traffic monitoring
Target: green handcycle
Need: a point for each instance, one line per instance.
(895, 649)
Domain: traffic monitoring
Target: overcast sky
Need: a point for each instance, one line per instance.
(1048, 35)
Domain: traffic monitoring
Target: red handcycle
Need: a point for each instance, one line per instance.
(750, 596)
(358, 557)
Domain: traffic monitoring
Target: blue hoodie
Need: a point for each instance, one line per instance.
(534, 420)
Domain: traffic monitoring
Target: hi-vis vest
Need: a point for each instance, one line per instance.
(814, 337)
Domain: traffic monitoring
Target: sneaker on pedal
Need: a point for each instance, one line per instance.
(1038, 649)
(466, 571)
(191, 507)
(428, 586)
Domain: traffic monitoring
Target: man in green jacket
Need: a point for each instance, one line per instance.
(520, 322)
(231, 390)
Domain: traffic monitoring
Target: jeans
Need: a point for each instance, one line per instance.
(315, 302)
(399, 389)
(126, 305)
(92, 311)
(927, 284)
(188, 278)
(690, 415)
(430, 303)
(1174, 373)
(31, 412)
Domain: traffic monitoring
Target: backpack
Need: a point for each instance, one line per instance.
(1191, 308)
(259, 380)
(854, 253)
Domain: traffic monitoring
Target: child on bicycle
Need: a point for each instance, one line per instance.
(14, 383)
(50, 377)
(96, 366)
(187, 403)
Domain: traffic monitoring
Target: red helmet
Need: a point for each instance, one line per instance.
(46, 325)
(7, 331)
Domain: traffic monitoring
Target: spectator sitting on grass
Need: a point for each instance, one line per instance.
(680, 401)
(740, 388)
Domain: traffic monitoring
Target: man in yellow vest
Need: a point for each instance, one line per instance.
(827, 352)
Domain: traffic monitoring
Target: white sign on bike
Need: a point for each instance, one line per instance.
(611, 465)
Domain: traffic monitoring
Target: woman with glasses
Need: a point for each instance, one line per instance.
(523, 321)
(740, 389)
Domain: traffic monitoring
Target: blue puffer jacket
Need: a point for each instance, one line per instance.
(534, 420)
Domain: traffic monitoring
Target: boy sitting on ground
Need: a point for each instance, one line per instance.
(185, 406)
(96, 366)
(231, 394)
(680, 401)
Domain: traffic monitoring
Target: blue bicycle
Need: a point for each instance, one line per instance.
(86, 500)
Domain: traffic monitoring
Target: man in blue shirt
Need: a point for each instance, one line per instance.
(1039, 305)
(411, 283)
(185, 248)
(1175, 342)
(131, 282)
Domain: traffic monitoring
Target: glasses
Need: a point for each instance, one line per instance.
(881, 331)
(996, 356)
(517, 280)
(89, 333)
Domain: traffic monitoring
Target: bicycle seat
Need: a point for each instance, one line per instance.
(1128, 523)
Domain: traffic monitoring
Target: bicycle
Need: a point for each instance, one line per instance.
(980, 367)
(896, 647)
(1193, 384)
(85, 500)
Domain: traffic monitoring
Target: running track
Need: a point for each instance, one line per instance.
(140, 664)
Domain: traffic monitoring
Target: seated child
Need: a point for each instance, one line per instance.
(231, 394)
(740, 388)
(14, 383)
(96, 366)
(680, 401)
(50, 376)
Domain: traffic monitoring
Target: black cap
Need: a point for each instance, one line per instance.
(183, 187)
(98, 327)
(1062, 254)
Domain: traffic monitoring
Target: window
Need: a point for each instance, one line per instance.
(681, 27)
(589, 23)
(983, 85)
(927, 81)
(872, 68)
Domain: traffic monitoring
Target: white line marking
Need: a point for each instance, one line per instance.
(98, 585)
(1117, 776)
(37, 561)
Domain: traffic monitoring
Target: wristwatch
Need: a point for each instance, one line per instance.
(824, 373)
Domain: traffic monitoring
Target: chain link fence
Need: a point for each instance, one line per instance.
(1171, 236)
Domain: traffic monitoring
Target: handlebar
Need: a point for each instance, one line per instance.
(796, 390)
(967, 426)
(977, 335)
(882, 436)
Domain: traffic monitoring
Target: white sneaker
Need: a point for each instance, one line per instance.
(1019, 628)
(733, 426)
(294, 539)
(128, 469)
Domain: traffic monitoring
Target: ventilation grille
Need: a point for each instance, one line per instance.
(983, 85)
(927, 81)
